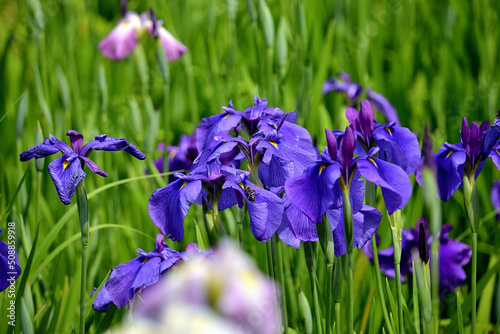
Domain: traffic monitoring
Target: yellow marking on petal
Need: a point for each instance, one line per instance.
(274, 125)
(321, 168)
(183, 185)
(145, 260)
(450, 153)
(373, 161)
(241, 185)
(66, 164)
(497, 152)
(274, 144)
(388, 130)
(226, 116)
(172, 154)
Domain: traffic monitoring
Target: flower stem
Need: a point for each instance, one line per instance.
(349, 242)
(337, 317)
(311, 267)
(350, 293)
(326, 240)
(380, 290)
(83, 213)
(396, 229)
(397, 267)
(473, 281)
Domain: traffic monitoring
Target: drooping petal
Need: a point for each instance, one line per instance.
(296, 226)
(49, 146)
(276, 171)
(209, 127)
(450, 169)
(169, 205)
(365, 223)
(495, 197)
(123, 39)
(395, 184)
(383, 105)
(93, 167)
(490, 139)
(66, 173)
(401, 147)
(102, 300)
(105, 143)
(173, 48)
(312, 192)
(119, 285)
(453, 255)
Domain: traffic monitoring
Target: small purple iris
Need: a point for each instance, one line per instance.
(351, 90)
(467, 156)
(67, 172)
(453, 255)
(131, 278)
(9, 265)
(225, 187)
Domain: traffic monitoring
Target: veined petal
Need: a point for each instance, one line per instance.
(395, 184)
(276, 171)
(105, 143)
(66, 175)
(119, 285)
(312, 192)
(102, 300)
(169, 205)
(76, 139)
(296, 226)
(123, 39)
(450, 170)
(209, 127)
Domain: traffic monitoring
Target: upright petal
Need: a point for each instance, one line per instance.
(76, 139)
(312, 192)
(209, 127)
(123, 39)
(66, 173)
(366, 120)
(347, 147)
(169, 205)
(395, 184)
(105, 143)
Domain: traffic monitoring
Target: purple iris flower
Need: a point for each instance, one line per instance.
(343, 84)
(453, 255)
(383, 105)
(223, 186)
(297, 226)
(123, 39)
(9, 265)
(67, 171)
(467, 156)
(254, 119)
(313, 193)
(397, 144)
(131, 278)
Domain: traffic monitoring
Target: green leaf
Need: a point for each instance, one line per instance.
(13, 199)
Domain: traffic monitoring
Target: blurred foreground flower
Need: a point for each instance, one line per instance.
(224, 294)
(131, 278)
(67, 171)
(9, 265)
(453, 255)
(495, 197)
(123, 39)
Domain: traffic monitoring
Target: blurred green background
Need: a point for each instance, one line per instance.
(434, 60)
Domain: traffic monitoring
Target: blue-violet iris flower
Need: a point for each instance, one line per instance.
(351, 90)
(67, 171)
(453, 255)
(9, 265)
(131, 278)
(225, 187)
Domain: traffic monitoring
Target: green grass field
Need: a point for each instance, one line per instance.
(435, 61)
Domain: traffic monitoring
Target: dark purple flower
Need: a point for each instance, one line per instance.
(223, 186)
(67, 171)
(9, 265)
(131, 278)
(343, 84)
(383, 105)
(455, 159)
(453, 255)
(397, 144)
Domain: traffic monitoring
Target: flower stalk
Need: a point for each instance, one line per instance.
(311, 267)
(349, 241)
(326, 240)
(83, 214)
(397, 230)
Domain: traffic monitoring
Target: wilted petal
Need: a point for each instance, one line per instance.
(105, 143)
(395, 184)
(67, 173)
(123, 39)
(169, 205)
